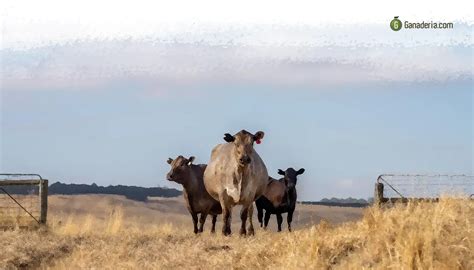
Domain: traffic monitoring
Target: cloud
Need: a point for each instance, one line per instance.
(28, 23)
(275, 55)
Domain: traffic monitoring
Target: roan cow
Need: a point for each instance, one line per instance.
(236, 175)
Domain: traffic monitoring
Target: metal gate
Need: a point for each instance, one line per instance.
(404, 187)
(23, 200)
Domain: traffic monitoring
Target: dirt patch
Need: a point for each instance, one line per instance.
(218, 248)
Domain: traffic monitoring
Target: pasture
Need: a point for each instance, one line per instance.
(111, 232)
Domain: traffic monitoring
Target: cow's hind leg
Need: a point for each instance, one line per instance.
(267, 218)
(279, 221)
(250, 230)
(214, 219)
(259, 213)
(202, 220)
(260, 216)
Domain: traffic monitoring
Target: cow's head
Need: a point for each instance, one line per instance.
(179, 168)
(243, 142)
(290, 176)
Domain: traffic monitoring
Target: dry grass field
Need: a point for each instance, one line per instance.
(110, 232)
(173, 211)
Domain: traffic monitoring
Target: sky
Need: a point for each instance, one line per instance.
(105, 92)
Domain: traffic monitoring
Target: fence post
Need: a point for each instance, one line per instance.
(378, 194)
(43, 193)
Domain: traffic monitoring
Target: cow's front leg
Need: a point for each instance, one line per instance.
(226, 215)
(214, 219)
(202, 220)
(195, 220)
(226, 218)
(289, 218)
(251, 231)
(279, 221)
(243, 216)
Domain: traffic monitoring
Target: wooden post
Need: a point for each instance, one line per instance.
(378, 194)
(43, 194)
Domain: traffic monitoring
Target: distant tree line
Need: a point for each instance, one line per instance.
(142, 193)
(130, 192)
(348, 202)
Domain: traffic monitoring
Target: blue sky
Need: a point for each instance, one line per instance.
(343, 138)
(87, 98)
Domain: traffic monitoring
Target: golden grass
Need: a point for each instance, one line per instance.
(414, 236)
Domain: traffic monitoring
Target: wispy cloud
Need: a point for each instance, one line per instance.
(313, 57)
(28, 23)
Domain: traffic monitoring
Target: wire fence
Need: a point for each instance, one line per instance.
(20, 203)
(426, 186)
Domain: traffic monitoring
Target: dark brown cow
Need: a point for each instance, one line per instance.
(198, 201)
(279, 197)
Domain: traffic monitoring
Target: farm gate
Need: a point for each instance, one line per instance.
(405, 187)
(23, 200)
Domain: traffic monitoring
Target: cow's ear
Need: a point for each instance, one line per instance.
(300, 171)
(280, 172)
(169, 160)
(228, 137)
(258, 135)
(190, 160)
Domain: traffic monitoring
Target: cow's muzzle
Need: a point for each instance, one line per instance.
(245, 160)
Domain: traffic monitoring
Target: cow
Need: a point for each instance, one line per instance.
(236, 175)
(198, 201)
(279, 197)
